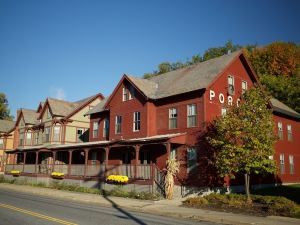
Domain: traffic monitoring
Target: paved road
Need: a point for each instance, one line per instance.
(19, 208)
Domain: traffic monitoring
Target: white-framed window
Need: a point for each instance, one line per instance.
(281, 160)
(105, 127)
(192, 115)
(128, 93)
(56, 133)
(290, 133)
(230, 85)
(21, 139)
(47, 134)
(118, 124)
(244, 86)
(28, 137)
(172, 118)
(223, 111)
(79, 134)
(173, 153)
(280, 130)
(36, 137)
(48, 113)
(136, 121)
(95, 129)
(191, 158)
(1, 143)
(291, 162)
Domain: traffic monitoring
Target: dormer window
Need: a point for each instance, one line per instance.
(128, 93)
(48, 113)
(244, 86)
(230, 85)
(28, 137)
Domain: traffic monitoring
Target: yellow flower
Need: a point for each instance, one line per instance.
(15, 172)
(117, 179)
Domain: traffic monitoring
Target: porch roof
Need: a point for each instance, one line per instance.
(172, 137)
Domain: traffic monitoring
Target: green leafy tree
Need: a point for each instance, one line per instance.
(4, 110)
(244, 139)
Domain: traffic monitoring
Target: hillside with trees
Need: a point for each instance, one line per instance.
(277, 66)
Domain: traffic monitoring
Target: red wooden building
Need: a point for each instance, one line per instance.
(145, 121)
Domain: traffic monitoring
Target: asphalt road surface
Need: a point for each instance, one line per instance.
(25, 209)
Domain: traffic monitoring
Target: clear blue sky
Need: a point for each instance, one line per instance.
(74, 49)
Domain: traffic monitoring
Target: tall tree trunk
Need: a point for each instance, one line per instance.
(247, 187)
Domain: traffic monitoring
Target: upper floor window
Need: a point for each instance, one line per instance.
(56, 133)
(95, 129)
(47, 134)
(1, 143)
(192, 115)
(105, 128)
(79, 133)
(280, 131)
(48, 113)
(230, 85)
(28, 137)
(291, 162)
(173, 153)
(223, 111)
(244, 86)
(128, 93)
(118, 125)
(21, 139)
(172, 118)
(37, 138)
(136, 121)
(281, 159)
(289, 131)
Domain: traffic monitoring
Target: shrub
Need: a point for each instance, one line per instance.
(195, 202)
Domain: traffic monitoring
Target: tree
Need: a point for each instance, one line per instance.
(219, 51)
(4, 111)
(244, 139)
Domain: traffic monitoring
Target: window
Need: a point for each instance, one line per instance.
(280, 131)
(223, 111)
(191, 158)
(291, 162)
(95, 129)
(282, 163)
(79, 135)
(173, 153)
(118, 125)
(37, 137)
(28, 137)
(172, 118)
(1, 143)
(192, 115)
(290, 134)
(48, 114)
(230, 85)
(128, 93)
(136, 121)
(105, 128)
(56, 133)
(47, 134)
(21, 140)
(94, 158)
(244, 86)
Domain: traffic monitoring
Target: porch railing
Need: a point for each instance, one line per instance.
(77, 170)
(62, 168)
(95, 170)
(29, 168)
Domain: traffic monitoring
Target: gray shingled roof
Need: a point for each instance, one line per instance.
(190, 78)
(30, 116)
(97, 108)
(6, 125)
(60, 107)
(284, 109)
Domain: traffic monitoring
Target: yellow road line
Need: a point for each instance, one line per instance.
(36, 214)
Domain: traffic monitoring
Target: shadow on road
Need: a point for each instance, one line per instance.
(127, 214)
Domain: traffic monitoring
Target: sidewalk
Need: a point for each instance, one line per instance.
(163, 207)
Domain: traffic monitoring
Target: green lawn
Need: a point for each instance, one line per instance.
(291, 192)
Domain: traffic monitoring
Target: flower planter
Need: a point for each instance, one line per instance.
(57, 175)
(117, 179)
(15, 173)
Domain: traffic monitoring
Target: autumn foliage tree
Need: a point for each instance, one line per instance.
(4, 110)
(243, 139)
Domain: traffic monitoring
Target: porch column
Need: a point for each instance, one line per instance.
(36, 161)
(106, 160)
(168, 148)
(54, 158)
(70, 162)
(24, 160)
(86, 154)
(137, 151)
(14, 160)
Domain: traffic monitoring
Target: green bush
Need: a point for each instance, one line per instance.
(195, 202)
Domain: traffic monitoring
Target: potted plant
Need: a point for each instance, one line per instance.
(15, 173)
(117, 179)
(57, 175)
